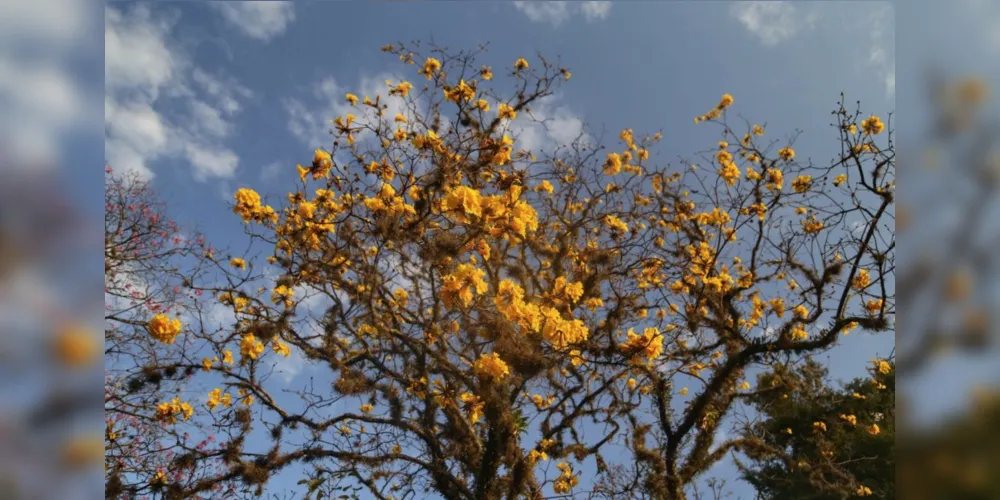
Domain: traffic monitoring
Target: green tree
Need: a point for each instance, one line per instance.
(817, 441)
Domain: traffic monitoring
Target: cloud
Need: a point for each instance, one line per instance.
(309, 119)
(770, 21)
(882, 51)
(42, 99)
(144, 75)
(593, 11)
(270, 172)
(261, 20)
(556, 13)
(547, 127)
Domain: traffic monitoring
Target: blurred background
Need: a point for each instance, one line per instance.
(51, 182)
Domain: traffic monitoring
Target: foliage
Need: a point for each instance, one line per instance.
(811, 447)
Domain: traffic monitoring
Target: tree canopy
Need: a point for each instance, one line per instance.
(495, 321)
(823, 442)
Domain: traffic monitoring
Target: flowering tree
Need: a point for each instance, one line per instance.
(148, 271)
(495, 319)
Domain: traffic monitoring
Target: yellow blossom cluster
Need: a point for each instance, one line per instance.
(490, 366)
(169, 411)
(725, 102)
(645, 347)
(473, 405)
(496, 214)
(250, 347)
(566, 480)
(248, 206)
(164, 329)
(216, 397)
(543, 319)
(463, 284)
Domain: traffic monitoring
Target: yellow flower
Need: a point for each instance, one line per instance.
(863, 491)
(873, 306)
(367, 408)
(403, 89)
(280, 347)
(507, 111)
(164, 329)
(861, 280)
(727, 100)
(473, 406)
(545, 186)
(617, 225)
(482, 104)
(649, 345)
(401, 296)
(758, 130)
(851, 419)
(431, 66)
(463, 284)
(159, 478)
(238, 263)
(351, 98)
(216, 397)
(812, 225)
(838, 180)
(786, 153)
(631, 383)
(802, 183)
(490, 366)
(250, 347)
(819, 426)
(683, 391)
(874, 430)
(520, 64)
(744, 385)
(872, 125)
(459, 93)
(75, 347)
(397, 449)
(801, 311)
(613, 165)
(227, 357)
(799, 332)
(883, 366)
(486, 73)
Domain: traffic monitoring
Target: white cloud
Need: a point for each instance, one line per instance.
(41, 97)
(142, 69)
(771, 21)
(208, 120)
(270, 172)
(225, 91)
(310, 122)
(41, 102)
(59, 22)
(290, 367)
(262, 20)
(556, 13)
(547, 127)
(882, 53)
(211, 161)
(595, 10)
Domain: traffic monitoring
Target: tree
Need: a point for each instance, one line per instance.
(821, 442)
(956, 458)
(492, 311)
(148, 269)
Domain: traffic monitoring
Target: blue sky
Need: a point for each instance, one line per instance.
(203, 98)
